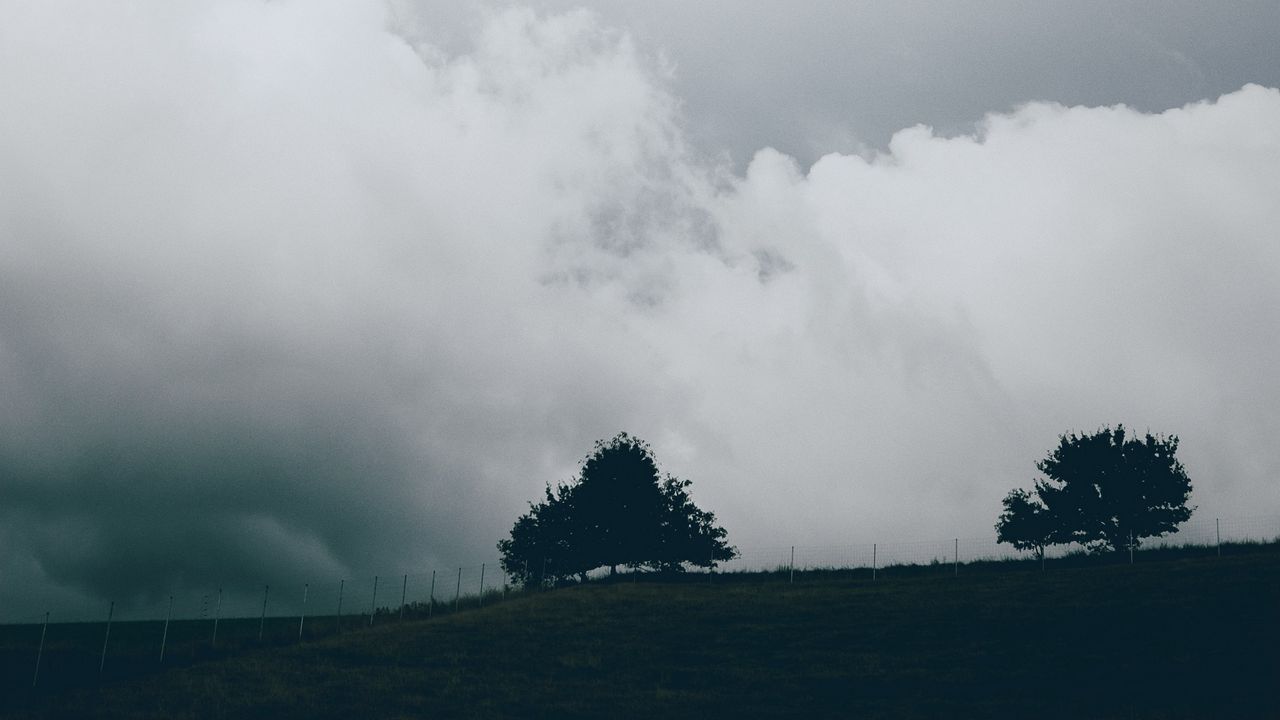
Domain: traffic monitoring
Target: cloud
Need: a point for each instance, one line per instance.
(289, 292)
(823, 77)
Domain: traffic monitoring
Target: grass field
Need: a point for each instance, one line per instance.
(1176, 636)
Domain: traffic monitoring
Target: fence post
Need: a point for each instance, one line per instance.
(431, 603)
(110, 611)
(1217, 531)
(542, 581)
(457, 594)
(342, 584)
(217, 614)
(793, 564)
(873, 561)
(404, 589)
(266, 590)
(40, 653)
(164, 638)
(373, 606)
(957, 558)
(303, 617)
(481, 603)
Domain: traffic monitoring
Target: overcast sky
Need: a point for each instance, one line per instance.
(311, 289)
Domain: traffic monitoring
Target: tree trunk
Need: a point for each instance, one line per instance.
(613, 570)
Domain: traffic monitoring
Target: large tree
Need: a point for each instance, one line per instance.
(1106, 490)
(618, 503)
(618, 512)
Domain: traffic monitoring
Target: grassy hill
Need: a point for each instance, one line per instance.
(1182, 637)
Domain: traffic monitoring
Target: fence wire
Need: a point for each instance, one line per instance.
(152, 630)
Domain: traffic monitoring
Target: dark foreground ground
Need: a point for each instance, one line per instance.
(1182, 637)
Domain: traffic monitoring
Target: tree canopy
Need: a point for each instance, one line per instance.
(1025, 523)
(1106, 490)
(619, 511)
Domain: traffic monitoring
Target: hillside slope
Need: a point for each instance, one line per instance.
(1186, 638)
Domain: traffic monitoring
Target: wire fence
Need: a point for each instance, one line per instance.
(351, 600)
(1209, 535)
(132, 635)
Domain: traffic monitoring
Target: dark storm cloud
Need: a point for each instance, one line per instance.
(299, 290)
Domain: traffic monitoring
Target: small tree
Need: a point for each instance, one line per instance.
(542, 543)
(618, 512)
(1026, 524)
(689, 534)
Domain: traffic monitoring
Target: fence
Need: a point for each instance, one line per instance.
(952, 552)
(142, 635)
(78, 646)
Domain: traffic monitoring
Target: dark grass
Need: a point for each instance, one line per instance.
(73, 655)
(1179, 635)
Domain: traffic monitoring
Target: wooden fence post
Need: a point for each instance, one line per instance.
(266, 590)
(303, 617)
(164, 638)
(110, 611)
(404, 589)
(40, 653)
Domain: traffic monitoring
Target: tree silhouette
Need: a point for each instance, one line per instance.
(619, 512)
(1026, 523)
(542, 544)
(618, 504)
(689, 534)
(1107, 491)
(1111, 490)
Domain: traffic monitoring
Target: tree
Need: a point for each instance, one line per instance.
(1026, 523)
(618, 504)
(1109, 490)
(1106, 491)
(617, 513)
(689, 534)
(542, 544)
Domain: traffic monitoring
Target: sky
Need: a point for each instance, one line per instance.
(313, 289)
